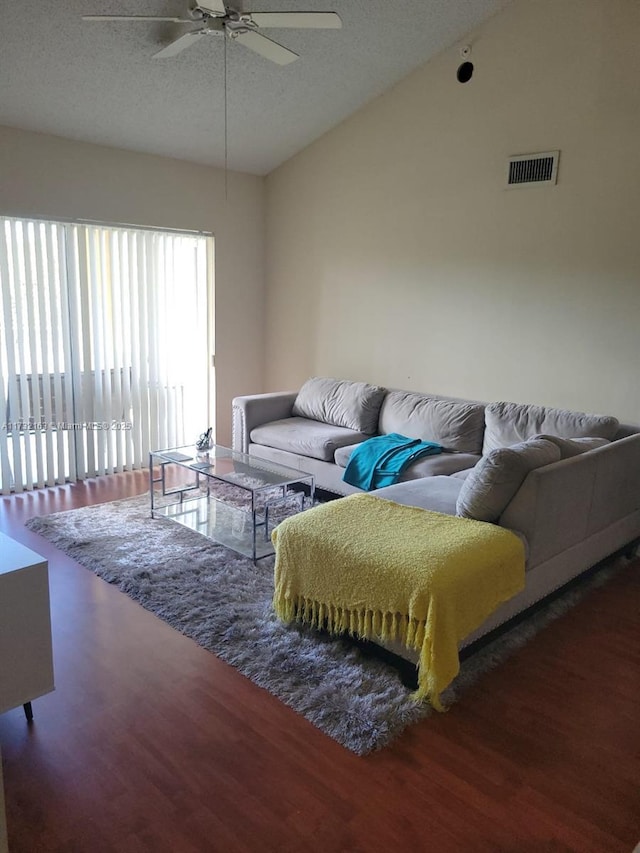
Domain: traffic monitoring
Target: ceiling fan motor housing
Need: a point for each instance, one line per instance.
(206, 12)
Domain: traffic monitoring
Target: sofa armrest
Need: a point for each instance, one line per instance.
(561, 505)
(256, 409)
(551, 507)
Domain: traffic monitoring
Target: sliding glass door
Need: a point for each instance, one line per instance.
(105, 342)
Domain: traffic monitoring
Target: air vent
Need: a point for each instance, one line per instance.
(528, 170)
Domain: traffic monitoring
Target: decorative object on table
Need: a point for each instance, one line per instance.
(223, 602)
(205, 442)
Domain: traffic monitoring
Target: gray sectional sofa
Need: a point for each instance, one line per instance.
(315, 429)
(567, 482)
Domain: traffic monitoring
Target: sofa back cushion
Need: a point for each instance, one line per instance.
(510, 423)
(453, 424)
(353, 405)
(494, 481)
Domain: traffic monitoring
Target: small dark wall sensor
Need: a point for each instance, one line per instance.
(464, 72)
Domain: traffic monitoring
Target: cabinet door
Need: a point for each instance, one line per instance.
(26, 665)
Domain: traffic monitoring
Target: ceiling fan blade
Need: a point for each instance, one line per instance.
(180, 44)
(303, 20)
(135, 18)
(214, 7)
(266, 47)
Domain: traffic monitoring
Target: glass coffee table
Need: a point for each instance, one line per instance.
(233, 498)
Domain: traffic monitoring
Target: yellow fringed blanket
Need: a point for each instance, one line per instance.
(378, 569)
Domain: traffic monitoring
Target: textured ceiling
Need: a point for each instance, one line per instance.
(96, 82)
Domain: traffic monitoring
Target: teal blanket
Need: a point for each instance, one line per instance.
(380, 461)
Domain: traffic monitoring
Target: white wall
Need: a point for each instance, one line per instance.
(51, 177)
(395, 255)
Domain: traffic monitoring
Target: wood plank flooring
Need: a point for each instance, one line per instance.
(150, 743)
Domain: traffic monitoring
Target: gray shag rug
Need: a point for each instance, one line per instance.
(223, 602)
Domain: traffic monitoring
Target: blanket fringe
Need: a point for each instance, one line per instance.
(365, 625)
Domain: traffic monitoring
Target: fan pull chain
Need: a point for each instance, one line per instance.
(226, 147)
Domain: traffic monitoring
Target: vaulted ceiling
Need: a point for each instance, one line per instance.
(97, 82)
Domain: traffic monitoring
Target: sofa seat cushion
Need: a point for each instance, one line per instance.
(455, 425)
(444, 464)
(352, 405)
(462, 475)
(342, 454)
(510, 423)
(438, 494)
(487, 491)
(430, 466)
(305, 437)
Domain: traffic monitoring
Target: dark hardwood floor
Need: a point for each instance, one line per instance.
(150, 743)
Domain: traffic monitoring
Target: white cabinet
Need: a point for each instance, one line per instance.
(26, 661)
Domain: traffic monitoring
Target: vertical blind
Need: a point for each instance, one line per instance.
(103, 348)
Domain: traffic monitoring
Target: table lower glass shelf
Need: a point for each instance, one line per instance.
(228, 525)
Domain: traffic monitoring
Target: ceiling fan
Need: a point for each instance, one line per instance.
(216, 18)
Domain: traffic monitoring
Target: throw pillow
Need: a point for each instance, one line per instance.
(354, 405)
(497, 477)
(569, 447)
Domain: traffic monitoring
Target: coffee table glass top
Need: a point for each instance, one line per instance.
(190, 487)
(232, 466)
